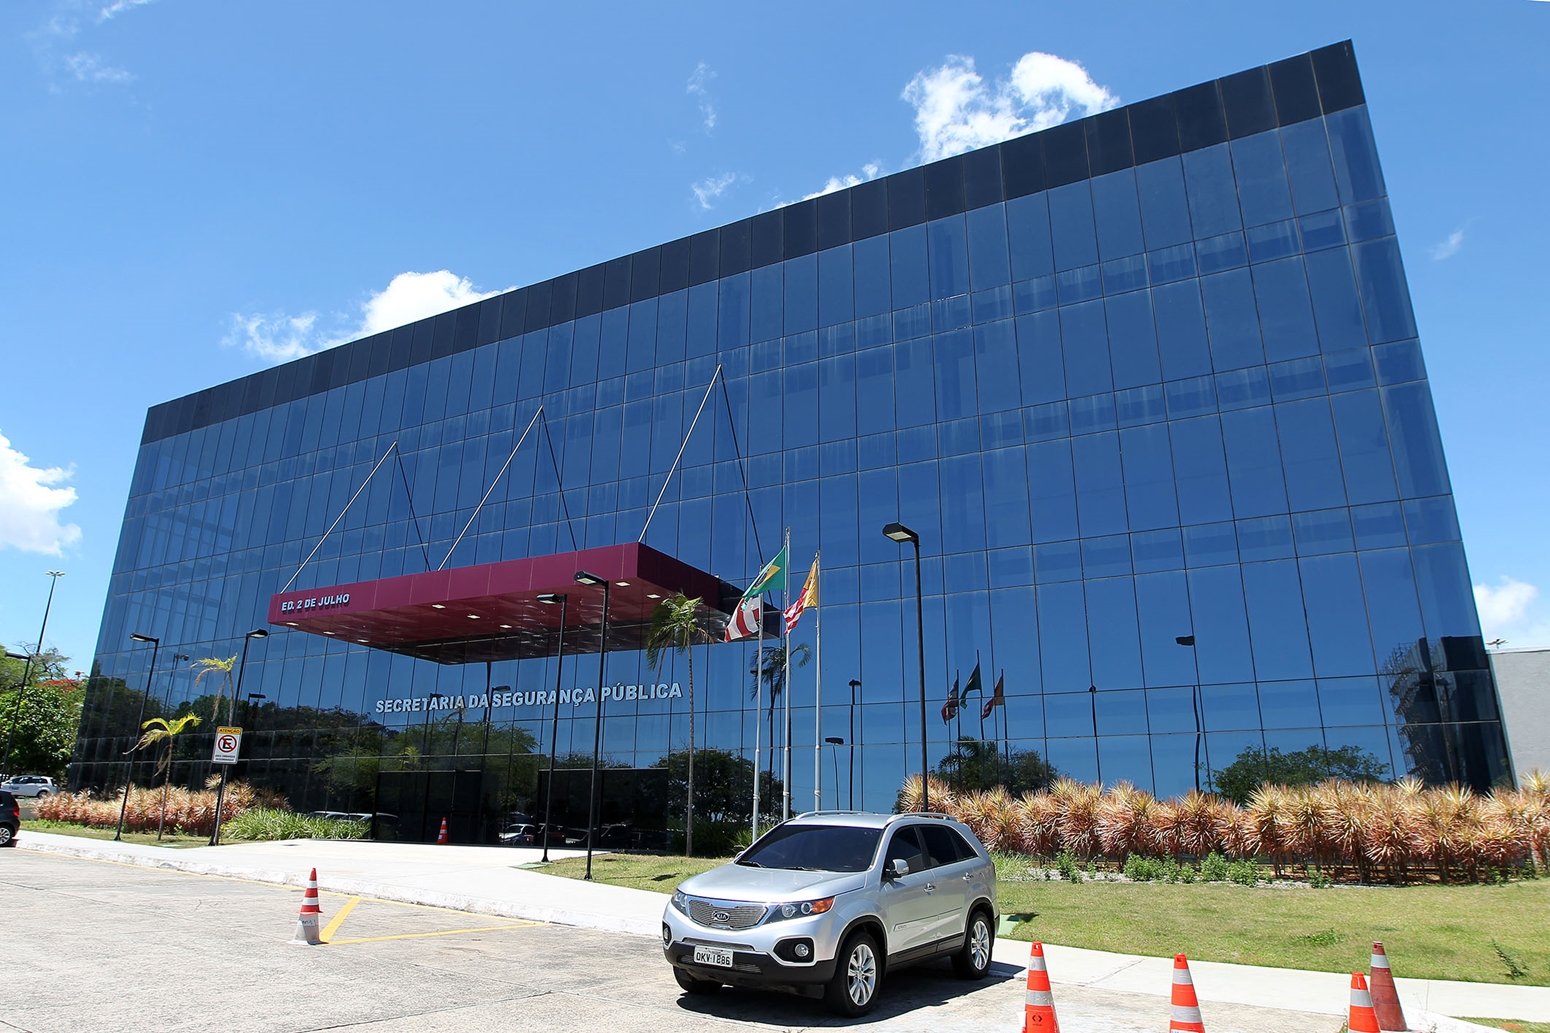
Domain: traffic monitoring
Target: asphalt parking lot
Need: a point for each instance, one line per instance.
(99, 946)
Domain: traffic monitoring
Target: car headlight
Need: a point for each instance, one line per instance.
(800, 909)
(681, 902)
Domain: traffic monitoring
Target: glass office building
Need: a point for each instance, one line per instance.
(1147, 385)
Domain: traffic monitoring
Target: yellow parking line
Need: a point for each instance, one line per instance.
(446, 932)
(332, 927)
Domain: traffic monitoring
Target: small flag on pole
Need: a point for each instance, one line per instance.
(749, 615)
(745, 619)
(974, 684)
(950, 708)
(808, 597)
(997, 698)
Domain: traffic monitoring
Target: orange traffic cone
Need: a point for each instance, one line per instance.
(1363, 1019)
(441, 837)
(1186, 1007)
(1385, 995)
(307, 917)
(1039, 1006)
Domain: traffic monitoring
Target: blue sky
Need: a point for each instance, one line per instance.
(192, 190)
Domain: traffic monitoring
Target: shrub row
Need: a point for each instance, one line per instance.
(1398, 832)
(190, 812)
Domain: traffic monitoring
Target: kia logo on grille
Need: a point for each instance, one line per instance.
(720, 916)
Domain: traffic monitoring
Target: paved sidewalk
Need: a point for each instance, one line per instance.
(492, 880)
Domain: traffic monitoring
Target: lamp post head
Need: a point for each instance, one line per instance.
(258, 633)
(1184, 640)
(16, 656)
(53, 573)
(590, 580)
(834, 740)
(901, 534)
(145, 638)
(257, 695)
(855, 683)
(553, 598)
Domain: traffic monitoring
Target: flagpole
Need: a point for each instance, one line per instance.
(785, 688)
(817, 695)
(758, 715)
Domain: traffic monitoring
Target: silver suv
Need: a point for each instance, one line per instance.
(827, 903)
(30, 785)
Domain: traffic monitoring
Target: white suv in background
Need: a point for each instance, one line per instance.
(827, 903)
(30, 785)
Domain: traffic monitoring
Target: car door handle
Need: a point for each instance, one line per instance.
(930, 887)
(968, 877)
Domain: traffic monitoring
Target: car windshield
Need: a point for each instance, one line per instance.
(826, 848)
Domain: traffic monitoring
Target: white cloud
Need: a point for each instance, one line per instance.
(1508, 611)
(87, 67)
(31, 498)
(698, 86)
(277, 337)
(868, 171)
(1449, 247)
(957, 111)
(709, 190)
(118, 7)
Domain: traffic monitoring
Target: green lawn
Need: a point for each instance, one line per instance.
(1513, 1025)
(65, 828)
(1435, 932)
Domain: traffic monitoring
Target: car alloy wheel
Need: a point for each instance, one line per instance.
(973, 960)
(854, 989)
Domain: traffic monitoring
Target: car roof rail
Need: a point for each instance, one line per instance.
(809, 814)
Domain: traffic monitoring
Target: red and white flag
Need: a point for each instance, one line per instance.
(808, 597)
(746, 618)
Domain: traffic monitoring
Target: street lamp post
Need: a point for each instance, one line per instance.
(220, 790)
(549, 599)
(1092, 698)
(1194, 698)
(251, 718)
(901, 534)
(834, 741)
(592, 580)
(21, 691)
(850, 752)
(129, 765)
(425, 751)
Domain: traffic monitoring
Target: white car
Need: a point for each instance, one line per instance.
(30, 785)
(828, 903)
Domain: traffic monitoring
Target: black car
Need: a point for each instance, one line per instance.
(10, 819)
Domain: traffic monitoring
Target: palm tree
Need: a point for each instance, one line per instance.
(770, 669)
(215, 665)
(675, 626)
(160, 729)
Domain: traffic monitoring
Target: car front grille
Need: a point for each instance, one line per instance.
(716, 916)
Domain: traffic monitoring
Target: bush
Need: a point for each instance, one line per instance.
(1065, 864)
(188, 812)
(1243, 871)
(1214, 868)
(1141, 869)
(270, 823)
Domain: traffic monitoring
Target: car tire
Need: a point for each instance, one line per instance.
(691, 985)
(973, 959)
(858, 974)
(41, 794)
(7, 837)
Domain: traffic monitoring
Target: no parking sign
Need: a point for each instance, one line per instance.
(228, 743)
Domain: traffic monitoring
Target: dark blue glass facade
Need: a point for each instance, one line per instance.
(1145, 377)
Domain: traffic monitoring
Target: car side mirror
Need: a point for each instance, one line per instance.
(898, 868)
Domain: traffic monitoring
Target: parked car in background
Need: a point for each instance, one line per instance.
(10, 818)
(519, 835)
(829, 903)
(30, 785)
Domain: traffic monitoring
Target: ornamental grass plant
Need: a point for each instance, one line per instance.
(1398, 833)
(189, 812)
